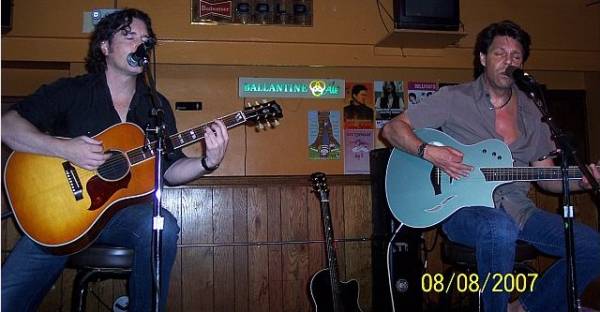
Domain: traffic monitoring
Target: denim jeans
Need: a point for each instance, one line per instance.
(30, 270)
(493, 234)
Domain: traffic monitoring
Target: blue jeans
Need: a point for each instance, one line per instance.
(493, 234)
(30, 270)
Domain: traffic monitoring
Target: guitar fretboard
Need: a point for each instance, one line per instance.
(184, 138)
(528, 173)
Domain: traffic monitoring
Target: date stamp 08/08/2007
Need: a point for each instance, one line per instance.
(463, 282)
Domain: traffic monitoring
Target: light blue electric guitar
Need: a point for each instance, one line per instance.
(421, 195)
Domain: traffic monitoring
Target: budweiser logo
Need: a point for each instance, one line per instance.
(220, 9)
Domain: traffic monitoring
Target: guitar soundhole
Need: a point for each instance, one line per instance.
(115, 168)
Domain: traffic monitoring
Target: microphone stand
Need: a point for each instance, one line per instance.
(159, 150)
(565, 150)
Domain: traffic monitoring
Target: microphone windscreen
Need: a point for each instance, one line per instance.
(510, 70)
(149, 43)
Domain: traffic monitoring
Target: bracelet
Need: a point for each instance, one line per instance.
(421, 150)
(206, 167)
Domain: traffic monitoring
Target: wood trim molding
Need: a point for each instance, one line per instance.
(36, 65)
(338, 179)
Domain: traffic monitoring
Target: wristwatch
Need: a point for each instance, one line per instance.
(421, 150)
(206, 167)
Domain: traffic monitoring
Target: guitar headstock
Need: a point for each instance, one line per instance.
(319, 184)
(265, 114)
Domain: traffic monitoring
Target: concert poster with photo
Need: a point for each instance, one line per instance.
(358, 126)
(389, 101)
(418, 90)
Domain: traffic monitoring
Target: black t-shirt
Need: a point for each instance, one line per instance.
(82, 105)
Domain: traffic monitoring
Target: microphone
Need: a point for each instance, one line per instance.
(140, 56)
(523, 80)
(518, 75)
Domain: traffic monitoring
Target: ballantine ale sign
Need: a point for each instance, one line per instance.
(291, 88)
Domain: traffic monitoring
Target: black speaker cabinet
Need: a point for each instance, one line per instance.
(427, 14)
(406, 266)
(6, 15)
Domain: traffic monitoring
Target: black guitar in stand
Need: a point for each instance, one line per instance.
(327, 292)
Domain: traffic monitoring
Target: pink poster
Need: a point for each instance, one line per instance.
(358, 143)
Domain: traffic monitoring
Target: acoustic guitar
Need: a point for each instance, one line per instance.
(421, 195)
(63, 207)
(327, 292)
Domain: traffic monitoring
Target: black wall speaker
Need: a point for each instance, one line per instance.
(6, 15)
(405, 267)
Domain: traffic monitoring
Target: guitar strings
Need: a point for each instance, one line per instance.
(114, 163)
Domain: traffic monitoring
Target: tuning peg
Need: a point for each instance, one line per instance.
(256, 104)
(248, 104)
(268, 124)
(259, 126)
(275, 123)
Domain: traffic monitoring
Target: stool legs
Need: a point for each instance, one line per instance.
(82, 281)
(80, 289)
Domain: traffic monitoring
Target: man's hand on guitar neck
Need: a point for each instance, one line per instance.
(448, 159)
(595, 170)
(215, 139)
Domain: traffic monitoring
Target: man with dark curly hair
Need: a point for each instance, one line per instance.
(492, 107)
(80, 108)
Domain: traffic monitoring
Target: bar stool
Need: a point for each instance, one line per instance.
(97, 263)
(461, 259)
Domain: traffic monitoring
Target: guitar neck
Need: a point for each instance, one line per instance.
(529, 173)
(331, 256)
(184, 138)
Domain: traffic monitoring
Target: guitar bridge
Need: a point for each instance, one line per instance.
(73, 179)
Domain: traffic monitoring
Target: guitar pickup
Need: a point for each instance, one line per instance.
(73, 179)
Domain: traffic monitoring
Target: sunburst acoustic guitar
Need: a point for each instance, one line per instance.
(63, 207)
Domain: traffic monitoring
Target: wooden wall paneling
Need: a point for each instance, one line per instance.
(224, 261)
(358, 223)
(275, 251)
(198, 278)
(259, 264)
(263, 278)
(196, 259)
(294, 213)
(224, 288)
(196, 216)
(216, 270)
(171, 201)
(295, 277)
(175, 301)
(222, 215)
(294, 227)
(240, 253)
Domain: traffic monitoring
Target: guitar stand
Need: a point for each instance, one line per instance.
(566, 150)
